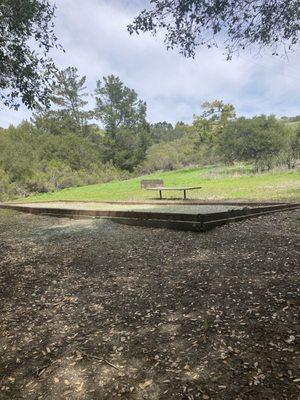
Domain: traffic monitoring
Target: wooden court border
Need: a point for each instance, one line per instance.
(171, 220)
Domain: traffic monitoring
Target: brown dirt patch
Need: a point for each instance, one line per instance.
(95, 310)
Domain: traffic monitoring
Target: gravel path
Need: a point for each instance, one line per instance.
(95, 310)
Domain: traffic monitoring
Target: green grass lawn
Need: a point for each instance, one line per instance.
(294, 125)
(218, 183)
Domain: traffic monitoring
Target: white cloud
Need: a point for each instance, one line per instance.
(94, 35)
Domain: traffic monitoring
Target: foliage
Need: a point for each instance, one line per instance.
(165, 132)
(7, 189)
(162, 156)
(208, 126)
(68, 102)
(290, 151)
(237, 24)
(117, 106)
(259, 140)
(34, 161)
(296, 118)
(61, 148)
(216, 136)
(213, 119)
(124, 118)
(171, 155)
(26, 32)
(161, 131)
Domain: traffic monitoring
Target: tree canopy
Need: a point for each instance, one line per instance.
(124, 118)
(259, 140)
(237, 24)
(68, 98)
(26, 37)
(117, 105)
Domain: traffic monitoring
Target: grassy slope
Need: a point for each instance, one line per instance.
(216, 182)
(294, 125)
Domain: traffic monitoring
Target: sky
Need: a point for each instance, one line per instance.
(94, 36)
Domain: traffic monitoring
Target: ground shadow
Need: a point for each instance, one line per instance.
(95, 310)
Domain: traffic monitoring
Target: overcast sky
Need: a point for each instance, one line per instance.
(94, 35)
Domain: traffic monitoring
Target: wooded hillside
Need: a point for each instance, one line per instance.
(72, 144)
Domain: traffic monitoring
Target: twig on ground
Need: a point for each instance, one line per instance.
(99, 359)
(42, 369)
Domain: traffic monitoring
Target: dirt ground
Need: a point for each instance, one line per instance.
(94, 310)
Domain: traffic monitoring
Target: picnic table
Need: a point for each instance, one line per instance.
(158, 184)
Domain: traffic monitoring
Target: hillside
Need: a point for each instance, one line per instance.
(236, 182)
(294, 124)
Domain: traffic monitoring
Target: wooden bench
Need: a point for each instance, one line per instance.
(158, 184)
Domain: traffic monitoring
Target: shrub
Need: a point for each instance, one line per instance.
(7, 188)
(258, 140)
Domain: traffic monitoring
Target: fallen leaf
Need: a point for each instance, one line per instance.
(145, 384)
(291, 339)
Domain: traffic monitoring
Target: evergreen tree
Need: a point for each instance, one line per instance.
(68, 102)
(124, 118)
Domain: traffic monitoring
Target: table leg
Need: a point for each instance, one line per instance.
(184, 194)
(160, 194)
